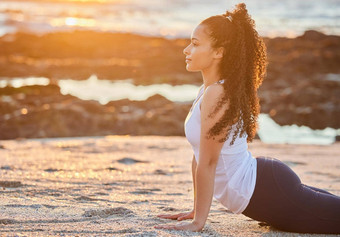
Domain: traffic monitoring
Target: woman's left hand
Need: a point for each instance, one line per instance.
(191, 226)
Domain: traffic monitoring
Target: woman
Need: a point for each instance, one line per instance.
(231, 56)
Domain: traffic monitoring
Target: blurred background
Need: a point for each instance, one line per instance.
(102, 67)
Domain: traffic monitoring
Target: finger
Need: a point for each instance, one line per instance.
(184, 217)
(167, 216)
(180, 226)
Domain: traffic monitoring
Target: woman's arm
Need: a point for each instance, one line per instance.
(193, 171)
(204, 174)
(210, 149)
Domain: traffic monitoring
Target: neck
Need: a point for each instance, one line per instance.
(210, 76)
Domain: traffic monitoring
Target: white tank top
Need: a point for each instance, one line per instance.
(236, 168)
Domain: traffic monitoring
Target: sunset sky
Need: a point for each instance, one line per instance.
(167, 18)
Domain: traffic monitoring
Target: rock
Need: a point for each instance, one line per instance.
(10, 184)
(160, 172)
(120, 55)
(297, 87)
(312, 35)
(113, 169)
(51, 170)
(120, 211)
(130, 161)
(7, 221)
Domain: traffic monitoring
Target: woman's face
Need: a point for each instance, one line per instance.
(199, 53)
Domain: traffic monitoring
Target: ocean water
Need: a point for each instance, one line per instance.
(105, 91)
(167, 18)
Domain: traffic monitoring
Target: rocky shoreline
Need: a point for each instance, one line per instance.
(302, 85)
(42, 111)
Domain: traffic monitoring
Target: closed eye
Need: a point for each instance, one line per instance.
(194, 42)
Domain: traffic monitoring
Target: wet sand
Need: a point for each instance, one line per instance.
(116, 185)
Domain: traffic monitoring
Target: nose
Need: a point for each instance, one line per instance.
(186, 50)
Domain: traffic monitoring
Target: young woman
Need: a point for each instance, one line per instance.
(231, 56)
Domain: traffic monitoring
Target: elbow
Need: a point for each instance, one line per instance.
(212, 164)
(209, 162)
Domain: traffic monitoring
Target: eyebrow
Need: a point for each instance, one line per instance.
(194, 39)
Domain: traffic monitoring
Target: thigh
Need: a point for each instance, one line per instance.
(281, 200)
(314, 202)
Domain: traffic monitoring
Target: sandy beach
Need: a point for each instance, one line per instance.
(67, 165)
(116, 185)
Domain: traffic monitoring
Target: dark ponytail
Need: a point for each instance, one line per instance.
(243, 67)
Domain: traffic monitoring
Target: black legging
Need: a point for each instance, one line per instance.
(282, 201)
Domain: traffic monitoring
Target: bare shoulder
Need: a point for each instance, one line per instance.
(211, 110)
(212, 95)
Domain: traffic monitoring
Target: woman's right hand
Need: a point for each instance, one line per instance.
(180, 216)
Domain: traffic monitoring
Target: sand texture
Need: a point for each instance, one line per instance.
(116, 185)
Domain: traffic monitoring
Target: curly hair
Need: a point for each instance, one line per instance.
(243, 67)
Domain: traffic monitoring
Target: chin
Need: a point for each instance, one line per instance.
(191, 69)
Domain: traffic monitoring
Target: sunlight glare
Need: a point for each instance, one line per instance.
(91, 1)
(73, 21)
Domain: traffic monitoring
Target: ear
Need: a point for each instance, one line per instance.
(219, 52)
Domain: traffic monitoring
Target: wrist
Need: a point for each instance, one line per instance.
(199, 224)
